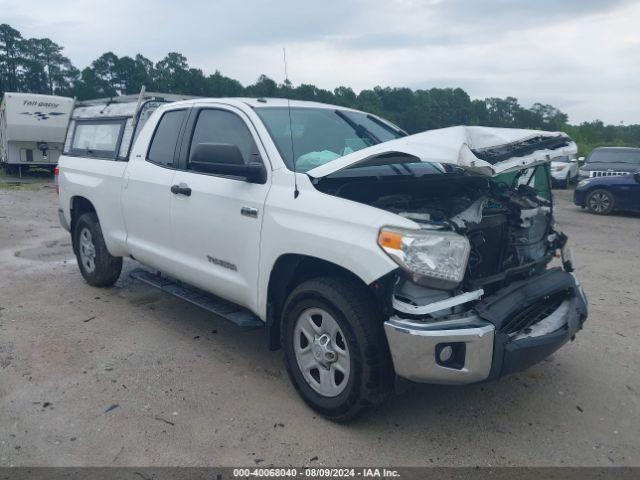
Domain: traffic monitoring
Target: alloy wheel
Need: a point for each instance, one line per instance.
(599, 202)
(321, 352)
(87, 250)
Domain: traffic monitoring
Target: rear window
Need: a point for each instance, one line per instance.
(615, 156)
(165, 138)
(96, 138)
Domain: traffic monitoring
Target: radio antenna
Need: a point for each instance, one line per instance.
(296, 192)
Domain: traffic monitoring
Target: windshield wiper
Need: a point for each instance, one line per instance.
(360, 129)
(387, 127)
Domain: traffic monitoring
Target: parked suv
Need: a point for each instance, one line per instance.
(564, 171)
(364, 253)
(603, 195)
(610, 161)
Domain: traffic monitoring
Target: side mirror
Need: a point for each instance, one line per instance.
(637, 176)
(225, 159)
(580, 160)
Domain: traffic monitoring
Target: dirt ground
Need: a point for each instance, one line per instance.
(129, 376)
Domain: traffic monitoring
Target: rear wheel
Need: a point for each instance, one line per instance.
(335, 349)
(98, 267)
(600, 202)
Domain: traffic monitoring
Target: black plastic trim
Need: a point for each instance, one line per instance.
(510, 356)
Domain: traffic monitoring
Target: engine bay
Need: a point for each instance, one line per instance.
(509, 227)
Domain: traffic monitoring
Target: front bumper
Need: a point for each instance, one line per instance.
(480, 342)
(579, 197)
(559, 176)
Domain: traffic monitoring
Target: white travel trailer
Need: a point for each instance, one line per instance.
(32, 129)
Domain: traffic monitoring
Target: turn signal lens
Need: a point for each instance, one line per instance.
(388, 239)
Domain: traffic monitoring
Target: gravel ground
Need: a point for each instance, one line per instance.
(129, 376)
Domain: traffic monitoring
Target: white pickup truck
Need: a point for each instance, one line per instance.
(367, 254)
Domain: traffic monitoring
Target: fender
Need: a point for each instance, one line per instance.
(342, 232)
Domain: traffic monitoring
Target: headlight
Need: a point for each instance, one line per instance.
(583, 173)
(434, 258)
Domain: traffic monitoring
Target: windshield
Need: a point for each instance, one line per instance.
(321, 135)
(615, 156)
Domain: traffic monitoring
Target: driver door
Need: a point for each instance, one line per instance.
(216, 227)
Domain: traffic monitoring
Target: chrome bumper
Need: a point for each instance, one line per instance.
(414, 349)
(487, 347)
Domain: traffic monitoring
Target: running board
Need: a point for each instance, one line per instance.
(227, 310)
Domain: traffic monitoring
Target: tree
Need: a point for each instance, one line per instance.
(106, 75)
(551, 117)
(172, 73)
(220, 86)
(38, 65)
(344, 96)
(46, 69)
(10, 58)
(369, 101)
(264, 87)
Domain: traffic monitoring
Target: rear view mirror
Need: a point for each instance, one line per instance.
(225, 159)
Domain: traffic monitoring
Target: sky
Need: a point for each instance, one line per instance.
(582, 56)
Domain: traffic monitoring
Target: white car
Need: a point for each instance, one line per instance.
(564, 170)
(365, 253)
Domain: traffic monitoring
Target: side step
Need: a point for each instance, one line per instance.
(227, 310)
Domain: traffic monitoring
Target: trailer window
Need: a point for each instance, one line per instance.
(96, 138)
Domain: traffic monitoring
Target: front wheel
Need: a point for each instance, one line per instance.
(600, 202)
(335, 348)
(98, 267)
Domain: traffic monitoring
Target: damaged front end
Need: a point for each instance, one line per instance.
(474, 297)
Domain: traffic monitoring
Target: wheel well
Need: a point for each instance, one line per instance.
(288, 272)
(79, 206)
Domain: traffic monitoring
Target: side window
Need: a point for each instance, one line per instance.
(96, 138)
(165, 138)
(221, 126)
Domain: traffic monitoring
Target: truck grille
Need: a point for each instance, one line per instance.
(605, 173)
(535, 312)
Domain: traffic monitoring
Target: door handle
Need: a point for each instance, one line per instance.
(181, 189)
(249, 212)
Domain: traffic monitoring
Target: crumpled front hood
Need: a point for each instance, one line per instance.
(483, 150)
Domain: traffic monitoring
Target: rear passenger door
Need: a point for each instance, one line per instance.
(217, 225)
(146, 196)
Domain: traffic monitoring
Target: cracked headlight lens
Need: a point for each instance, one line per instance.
(433, 258)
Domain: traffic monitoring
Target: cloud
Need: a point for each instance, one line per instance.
(581, 55)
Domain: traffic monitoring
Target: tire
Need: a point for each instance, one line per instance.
(600, 202)
(369, 372)
(98, 267)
